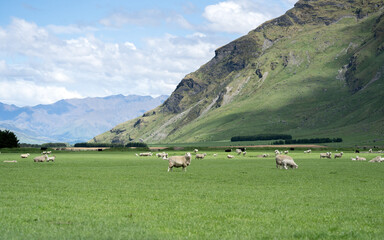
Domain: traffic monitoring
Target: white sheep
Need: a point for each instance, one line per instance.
(370, 150)
(51, 159)
(265, 155)
(308, 151)
(325, 155)
(26, 155)
(230, 156)
(200, 156)
(377, 159)
(277, 152)
(215, 155)
(41, 158)
(360, 158)
(147, 154)
(353, 159)
(286, 152)
(284, 161)
(179, 161)
(289, 163)
(244, 153)
(238, 151)
(338, 155)
(162, 155)
(196, 150)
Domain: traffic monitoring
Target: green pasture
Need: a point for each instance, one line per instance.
(117, 195)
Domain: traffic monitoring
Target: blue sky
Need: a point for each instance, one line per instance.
(51, 50)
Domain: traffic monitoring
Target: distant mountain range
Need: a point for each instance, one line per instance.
(73, 120)
(316, 71)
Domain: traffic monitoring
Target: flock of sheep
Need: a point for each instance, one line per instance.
(283, 160)
(42, 158)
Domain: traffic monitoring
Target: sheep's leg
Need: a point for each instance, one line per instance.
(169, 168)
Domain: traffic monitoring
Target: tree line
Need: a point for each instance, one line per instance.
(260, 137)
(112, 145)
(306, 140)
(8, 139)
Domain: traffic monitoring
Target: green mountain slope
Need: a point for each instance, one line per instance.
(316, 71)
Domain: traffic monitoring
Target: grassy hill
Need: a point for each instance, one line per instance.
(317, 71)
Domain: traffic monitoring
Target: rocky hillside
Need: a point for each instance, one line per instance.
(73, 120)
(315, 71)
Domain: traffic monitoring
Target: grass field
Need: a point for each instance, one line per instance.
(116, 195)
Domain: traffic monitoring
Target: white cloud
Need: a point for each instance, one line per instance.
(234, 17)
(34, 61)
(21, 92)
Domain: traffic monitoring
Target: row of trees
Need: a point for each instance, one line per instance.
(260, 137)
(112, 145)
(8, 139)
(306, 140)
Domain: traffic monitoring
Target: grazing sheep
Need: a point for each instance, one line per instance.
(360, 158)
(196, 150)
(289, 163)
(215, 155)
(353, 159)
(338, 155)
(325, 155)
(137, 155)
(42, 158)
(277, 152)
(238, 151)
(147, 154)
(286, 152)
(281, 158)
(24, 155)
(179, 161)
(162, 155)
(308, 151)
(265, 155)
(244, 153)
(370, 150)
(200, 156)
(377, 159)
(51, 159)
(230, 156)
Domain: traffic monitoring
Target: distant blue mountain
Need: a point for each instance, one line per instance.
(73, 120)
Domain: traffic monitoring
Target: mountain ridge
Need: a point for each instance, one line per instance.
(73, 120)
(320, 53)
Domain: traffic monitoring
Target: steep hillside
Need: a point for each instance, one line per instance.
(73, 120)
(315, 71)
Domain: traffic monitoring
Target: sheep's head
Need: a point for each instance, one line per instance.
(188, 158)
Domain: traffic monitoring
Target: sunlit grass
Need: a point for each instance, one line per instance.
(116, 195)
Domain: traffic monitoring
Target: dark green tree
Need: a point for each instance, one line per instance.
(8, 139)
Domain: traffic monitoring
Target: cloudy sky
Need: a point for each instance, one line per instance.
(52, 50)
